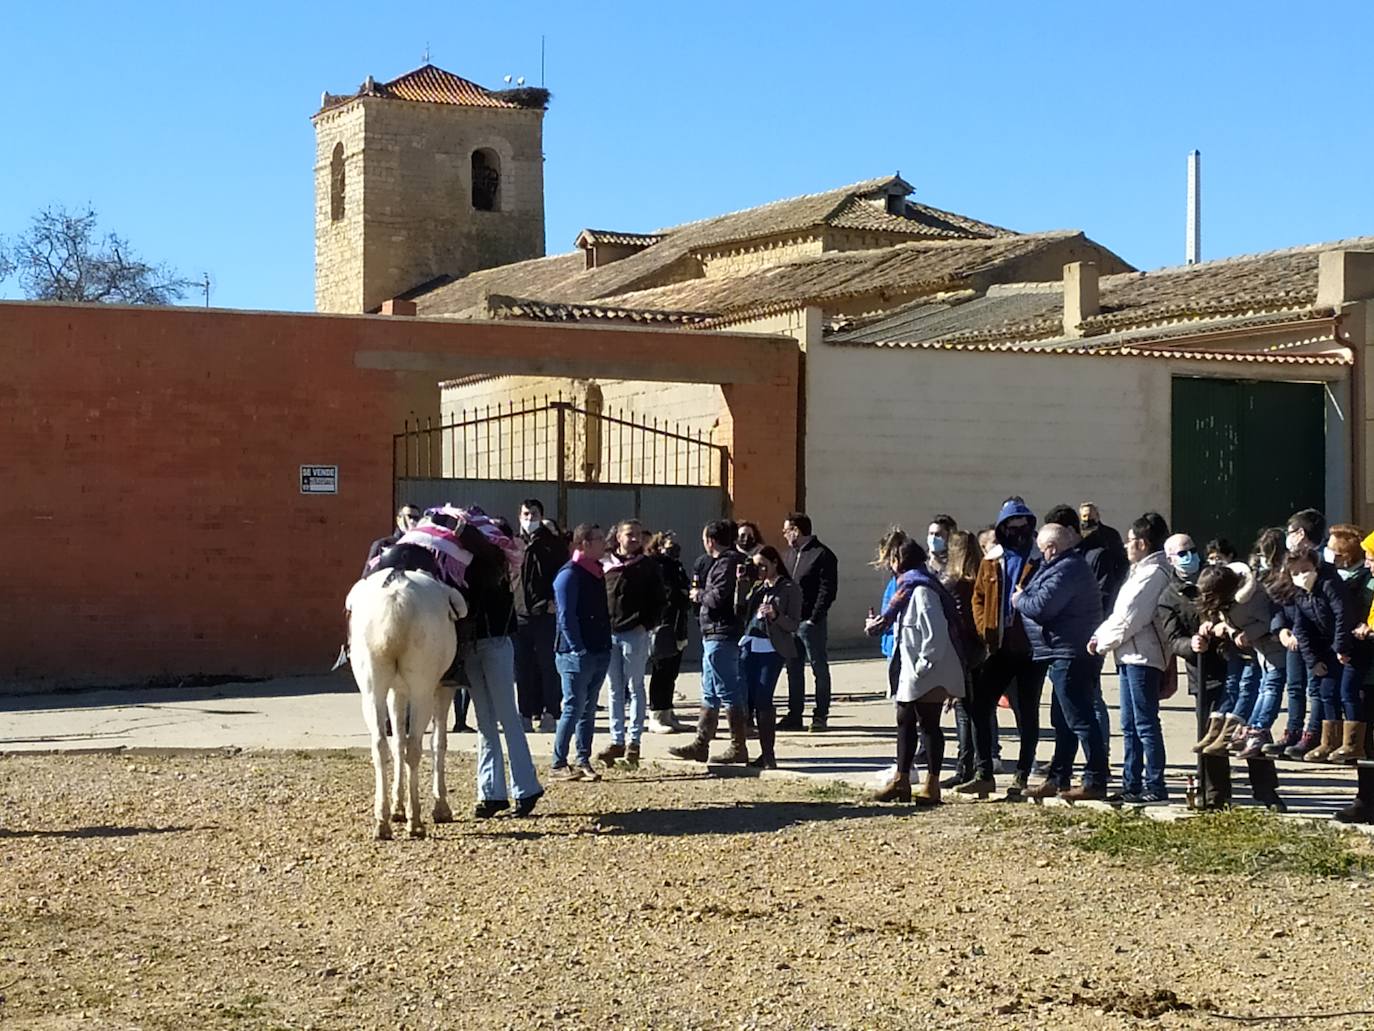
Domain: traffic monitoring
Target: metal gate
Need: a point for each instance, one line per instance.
(1246, 455)
(584, 465)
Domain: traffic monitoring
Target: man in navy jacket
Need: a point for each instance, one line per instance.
(1060, 607)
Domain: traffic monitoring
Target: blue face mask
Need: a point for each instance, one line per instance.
(1188, 565)
(936, 545)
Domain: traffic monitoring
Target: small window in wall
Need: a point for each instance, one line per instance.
(336, 184)
(486, 180)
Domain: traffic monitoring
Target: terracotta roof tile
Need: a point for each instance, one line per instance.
(430, 85)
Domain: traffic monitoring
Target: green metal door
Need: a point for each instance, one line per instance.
(1246, 455)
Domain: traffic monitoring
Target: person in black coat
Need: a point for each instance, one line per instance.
(669, 638)
(816, 571)
(538, 685)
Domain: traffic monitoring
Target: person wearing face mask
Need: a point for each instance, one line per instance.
(1140, 660)
(1104, 552)
(538, 687)
(1361, 810)
(1008, 565)
(1347, 557)
(937, 542)
(1324, 626)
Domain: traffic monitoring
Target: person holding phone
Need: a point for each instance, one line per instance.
(770, 604)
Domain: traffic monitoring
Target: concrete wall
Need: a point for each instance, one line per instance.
(410, 187)
(151, 469)
(895, 435)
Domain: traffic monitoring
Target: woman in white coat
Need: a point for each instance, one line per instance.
(928, 670)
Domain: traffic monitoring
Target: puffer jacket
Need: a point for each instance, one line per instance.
(1326, 618)
(1131, 629)
(1252, 613)
(1061, 605)
(719, 620)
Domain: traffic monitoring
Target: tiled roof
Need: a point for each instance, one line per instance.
(431, 85)
(1253, 292)
(543, 311)
(672, 258)
(592, 237)
(904, 270)
(1334, 357)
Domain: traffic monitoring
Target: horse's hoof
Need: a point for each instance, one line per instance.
(381, 831)
(398, 816)
(417, 832)
(442, 812)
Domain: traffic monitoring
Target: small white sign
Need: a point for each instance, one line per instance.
(319, 479)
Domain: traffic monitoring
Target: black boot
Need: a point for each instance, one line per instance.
(1218, 770)
(1264, 784)
(768, 736)
(1362, 809)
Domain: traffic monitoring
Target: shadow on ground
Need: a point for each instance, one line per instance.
(740, 818)
(99, 831)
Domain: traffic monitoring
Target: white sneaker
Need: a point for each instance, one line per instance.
(661, 723)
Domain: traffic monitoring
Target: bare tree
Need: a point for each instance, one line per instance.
(61, 258)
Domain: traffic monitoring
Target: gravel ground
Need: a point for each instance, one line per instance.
(243, 891)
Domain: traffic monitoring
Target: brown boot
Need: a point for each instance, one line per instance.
(929, 791)
(1221, 744)
(1352, 747)
(1331, 737)
(897, 789)
(1214, 725)
(737, 752)
(608, 755)
(699, 749)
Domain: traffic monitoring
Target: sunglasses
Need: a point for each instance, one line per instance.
(1187, 551)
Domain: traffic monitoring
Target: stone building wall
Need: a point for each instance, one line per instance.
(409, 187)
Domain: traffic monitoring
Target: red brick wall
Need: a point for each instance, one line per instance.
(149, 469)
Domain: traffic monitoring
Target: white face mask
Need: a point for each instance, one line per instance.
(1306, 580)
(1329, 556)
(529, 525)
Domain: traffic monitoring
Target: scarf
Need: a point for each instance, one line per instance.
(483, 523)
(443, 544)
(580, 558)
(907, 583)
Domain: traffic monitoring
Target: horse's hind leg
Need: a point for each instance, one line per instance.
(443, 700)
(374, 694)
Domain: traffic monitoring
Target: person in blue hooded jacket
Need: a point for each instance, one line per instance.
(1010, 665)
(1060, 607)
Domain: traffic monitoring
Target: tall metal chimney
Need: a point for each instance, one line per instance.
(1194, 207)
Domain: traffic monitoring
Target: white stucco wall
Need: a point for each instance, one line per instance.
(894, 436)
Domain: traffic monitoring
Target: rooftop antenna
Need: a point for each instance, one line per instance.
(541, 62)
(205, 285)
(425, 57)
(1194, 253)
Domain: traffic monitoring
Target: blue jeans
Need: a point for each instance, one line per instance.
(629, 661)
(581, 676)
(490, 666)
(811, 642)
(720, 681)
(1273, 667)
(1074, 717)
(1352, 690)
(761, 673)
(1142, 738)
(1249, 689)
(1328, 692)
(1296, 677)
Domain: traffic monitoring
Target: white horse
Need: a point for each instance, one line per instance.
(401, 640)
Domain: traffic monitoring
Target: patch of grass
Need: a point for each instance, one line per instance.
(833, 791)
(1236, 841)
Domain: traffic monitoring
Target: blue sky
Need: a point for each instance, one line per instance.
(187, 126)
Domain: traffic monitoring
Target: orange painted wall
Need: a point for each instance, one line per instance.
(149, 468)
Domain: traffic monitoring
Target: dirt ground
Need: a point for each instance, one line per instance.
(217, 891)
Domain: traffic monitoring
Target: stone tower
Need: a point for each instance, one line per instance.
(427, 175)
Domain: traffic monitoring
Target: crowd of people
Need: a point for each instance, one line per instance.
(975, 619)
(969, 622)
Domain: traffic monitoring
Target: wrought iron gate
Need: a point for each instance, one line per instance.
(585, 465)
